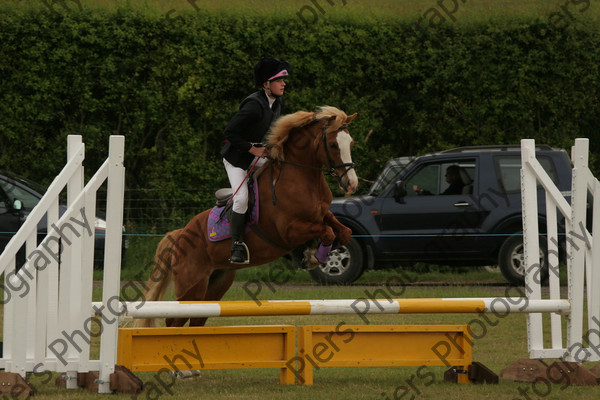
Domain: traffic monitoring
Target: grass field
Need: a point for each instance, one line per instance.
(500, 342)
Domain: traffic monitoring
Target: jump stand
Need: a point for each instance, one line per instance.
(583, 270)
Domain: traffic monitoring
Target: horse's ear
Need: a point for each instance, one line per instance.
(350, 118)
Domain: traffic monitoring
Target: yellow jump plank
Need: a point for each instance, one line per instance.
(223, 347)
(382, 345)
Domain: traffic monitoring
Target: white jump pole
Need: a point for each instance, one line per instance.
(499, 306)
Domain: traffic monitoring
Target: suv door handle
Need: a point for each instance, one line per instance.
(462, 204)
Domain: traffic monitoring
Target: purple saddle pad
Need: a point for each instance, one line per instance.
(218, 226)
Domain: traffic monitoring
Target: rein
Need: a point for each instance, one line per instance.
(243, 182)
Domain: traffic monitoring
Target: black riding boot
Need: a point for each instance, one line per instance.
(238, 248)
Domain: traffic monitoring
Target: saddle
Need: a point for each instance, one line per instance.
(219, 216)
(303, 257)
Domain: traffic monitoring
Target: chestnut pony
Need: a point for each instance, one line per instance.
(293, 209)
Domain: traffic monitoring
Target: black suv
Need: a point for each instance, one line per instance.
(408, 215)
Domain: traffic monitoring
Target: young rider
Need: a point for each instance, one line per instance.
(243, 141)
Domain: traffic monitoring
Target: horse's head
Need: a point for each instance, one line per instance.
(326, 133)
(336, 147)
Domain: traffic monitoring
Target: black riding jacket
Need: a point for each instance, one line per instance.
(249, 125)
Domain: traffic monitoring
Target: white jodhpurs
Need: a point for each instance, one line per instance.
(236, 178)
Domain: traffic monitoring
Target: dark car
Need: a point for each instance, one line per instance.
(406, 218)
(18, 196)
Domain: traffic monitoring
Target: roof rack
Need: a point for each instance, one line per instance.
(501, 147)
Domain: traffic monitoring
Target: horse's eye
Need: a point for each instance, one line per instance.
(333, 145)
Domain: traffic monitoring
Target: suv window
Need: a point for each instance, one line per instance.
(508, 171)
(13, 192)
(391, 170)
(432, 177)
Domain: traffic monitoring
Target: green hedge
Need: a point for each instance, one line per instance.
(170, 86)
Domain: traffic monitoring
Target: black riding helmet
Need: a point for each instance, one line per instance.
(269, 69)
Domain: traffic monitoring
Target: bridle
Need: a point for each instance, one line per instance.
(330, 163)
(331, 166)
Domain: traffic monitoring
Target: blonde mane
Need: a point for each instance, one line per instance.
(281, 129)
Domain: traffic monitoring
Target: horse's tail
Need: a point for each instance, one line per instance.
(161, 275)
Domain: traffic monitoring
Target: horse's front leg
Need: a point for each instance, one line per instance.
(341, 231)
(302, 232)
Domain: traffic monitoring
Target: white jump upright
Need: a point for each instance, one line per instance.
(582, 251)
(48, 301)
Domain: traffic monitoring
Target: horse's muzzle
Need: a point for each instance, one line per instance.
(349, 182)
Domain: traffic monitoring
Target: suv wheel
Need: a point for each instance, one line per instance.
(345, 265)
(511, 260)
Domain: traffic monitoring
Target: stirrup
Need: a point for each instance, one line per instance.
(246, 257)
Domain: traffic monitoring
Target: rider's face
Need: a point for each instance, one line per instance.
(276, 86)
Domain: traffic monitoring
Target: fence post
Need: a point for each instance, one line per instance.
(535, 339)
(576, 246)
(112, 262)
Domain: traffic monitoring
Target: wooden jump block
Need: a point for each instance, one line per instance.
(13, 386)
(381, 346)
(563, 372)
(222, 347)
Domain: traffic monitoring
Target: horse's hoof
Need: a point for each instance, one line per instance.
(185, 374)
(313, 263)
